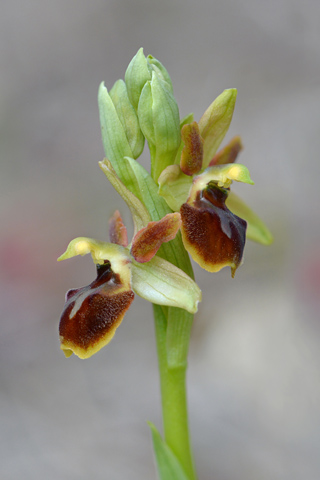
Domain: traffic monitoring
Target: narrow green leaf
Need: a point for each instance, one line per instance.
(168, 466)
(256, 229)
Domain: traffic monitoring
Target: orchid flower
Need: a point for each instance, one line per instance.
(93, 313)
(198, 185)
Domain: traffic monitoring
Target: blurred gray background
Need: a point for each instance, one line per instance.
(254, 387)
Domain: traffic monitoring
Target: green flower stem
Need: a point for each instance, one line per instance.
(173, 383)
(179, 324)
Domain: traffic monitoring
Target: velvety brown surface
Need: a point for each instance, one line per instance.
(211, 230)
(99, 309)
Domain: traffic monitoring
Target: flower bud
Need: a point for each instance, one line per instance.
(159, 121)
(115, 141)
(160, 70)
(215, 122)
(121, 133)
(127, 117)
(137, 74)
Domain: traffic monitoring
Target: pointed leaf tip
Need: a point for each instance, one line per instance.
(168, 466)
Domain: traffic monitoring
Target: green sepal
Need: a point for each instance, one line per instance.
(174, 186)
(137, 74)
(162, 283)
(168, 466)
(215, 122)
(138, 211)
(127, 117)
(256, 229)
(159, 121)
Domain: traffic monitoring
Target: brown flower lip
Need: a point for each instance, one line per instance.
(213, 235)
(92, 313)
